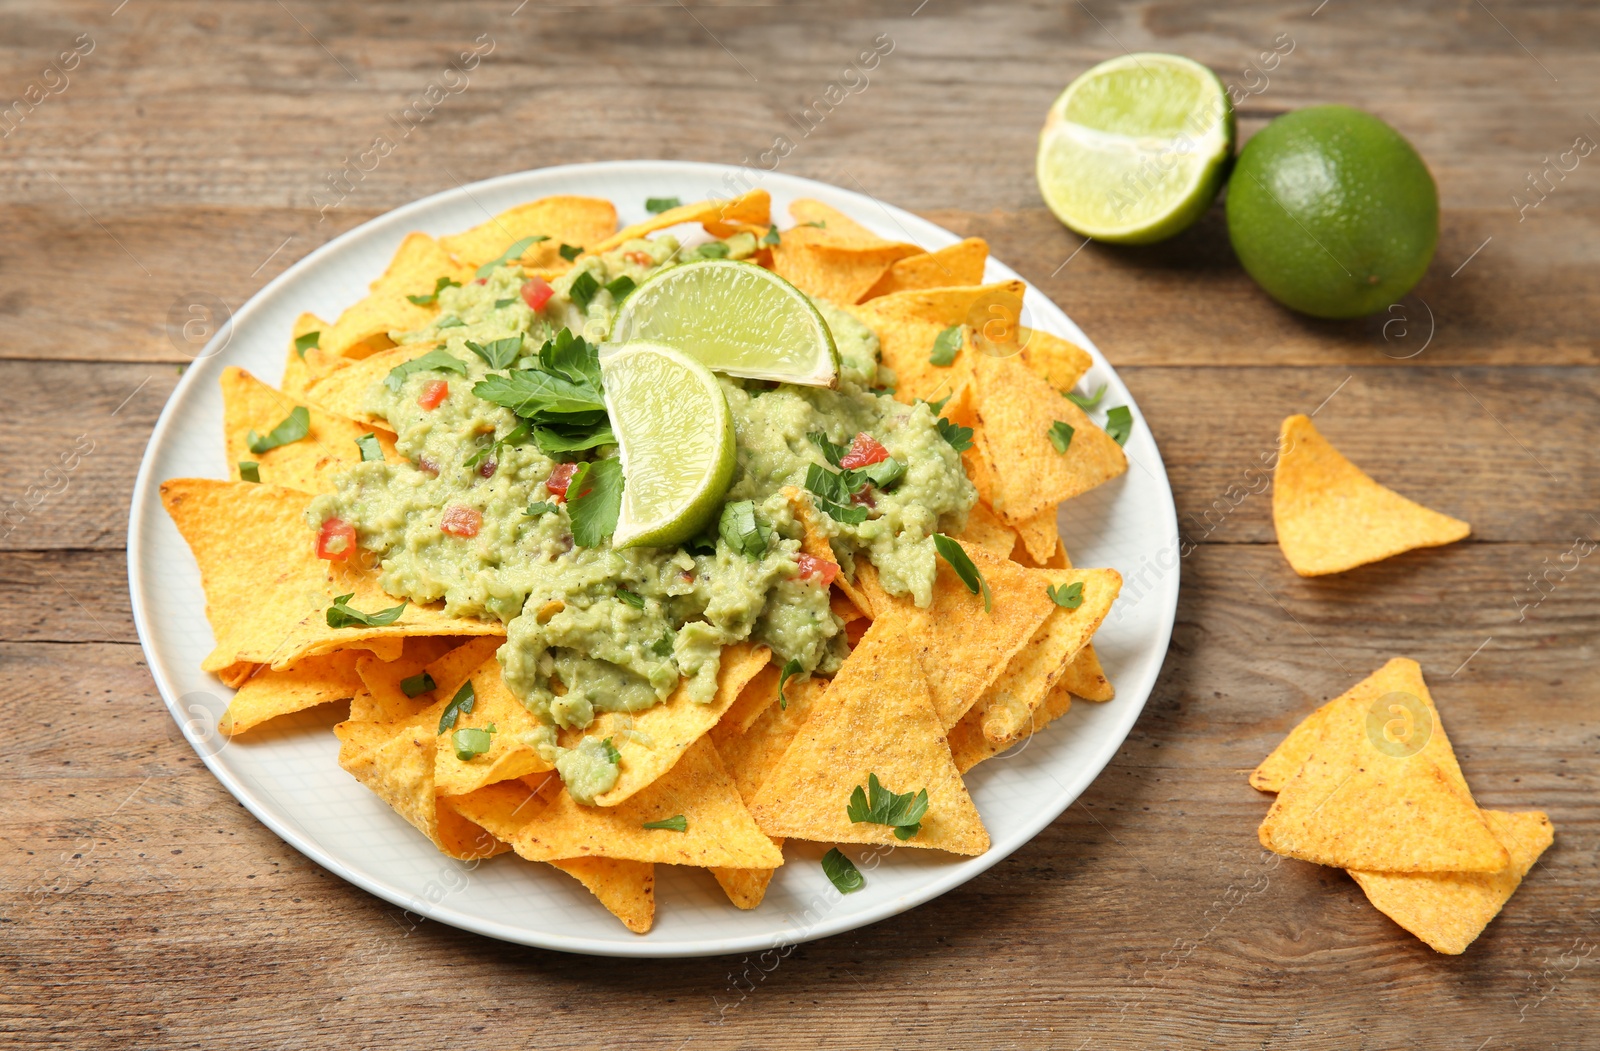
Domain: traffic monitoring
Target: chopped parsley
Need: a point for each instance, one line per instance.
(421, 682)
(676, 823)
(594, 509)
(583, 289)
(543, 507)
(342, 615)
(370, 449)
(1085, 401)
(498, 354)
(249, 471)
(435, 360)
(1119, 423)
(561, 398)
(790, 670)
(771, 237)
(471, 742)
(463, 701)
(1061, 436)
(613, 756)
(710, 250)
(306, 342)
(620, 286)
(511, 254)
(945, 345)
(902, 812)
(501, 304)
(1067, 596)
(433, 297)
(570, 252)
(960, 438)
(295, 427)
(953, 553)
(657, 205)
(450, 322)
(631, 598)
(842, 872)
(743, 531)
(662, 647)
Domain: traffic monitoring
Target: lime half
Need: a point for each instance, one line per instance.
(733, 317)
(1133, 151)
(676, 436)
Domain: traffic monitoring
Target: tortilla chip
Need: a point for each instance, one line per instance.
(1009, 703)
(985, 530)
(364, 328)
(969, 746)
(1448, 910)
(754, 208)
(344, 390)
(1330, 516)
(626, 888)
(1058, 362)
(821, 223)
(814, 541)
(1085, 678)
(510, 752)
(959, 264)
(267, 593)
(385, 699)
(843, 607)
(830, 256)
(876, 717)
(309, 464)
(651, 741)
(1040, 537)
(757, 694)
(1013, 411)
(300, 367)
(305, 684)
(907, 323)
(719, 828)
(577, 221)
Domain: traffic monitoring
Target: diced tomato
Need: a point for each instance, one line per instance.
(426, 465)
(863, 496)
(820, 568)
(560, 478)
(433, 392)
(481, 281)
(639, 258)
(863, 452)
(461, 521)
(536, 292)
(487, 468)
(336, 539)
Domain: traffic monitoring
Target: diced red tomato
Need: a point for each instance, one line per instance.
(461, 521)
(536, 292)
(863, 496)
(481, 281)
(433, 392)
(487, 468)
(336, 539)
(863, 452)
(426, 465)
(560, 478)
(820, 568)
(639, 258)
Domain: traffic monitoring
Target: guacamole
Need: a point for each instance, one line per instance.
(592, 629)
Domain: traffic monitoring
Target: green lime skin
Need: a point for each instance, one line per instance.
(1332, 212)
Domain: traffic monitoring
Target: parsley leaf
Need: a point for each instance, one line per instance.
(945, 345)
(342, 615)
(594, 509)
(790, 670)
(570, 252)
(885, 474)
(501, 304)
(292, 429)
(631, 598)
(583, 289)
(771, 237)
(710, 250)
(471, 742)
(613, 756)
(563, 389)
(511, 254)
(902, 812)
(842, 872)
(449, 322)
(435, 360)
(676, 823)
(249, 471)
(960, 438)
(1119, 423)
(463, 701)
(657, 205)
(743, 531)
(543, 507)
(831, 493)
(370, 449)
(620, 286)
(1061, 436)
(500, 353)
(552, 440)
(1085, 401)
(433, 297)
(306, 342)
(662, 647)
(830, 452)
(1067, 596)
(952, 553)
(412, 685)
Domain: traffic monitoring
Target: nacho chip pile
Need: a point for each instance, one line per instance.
(875, 755)
(1369, 783)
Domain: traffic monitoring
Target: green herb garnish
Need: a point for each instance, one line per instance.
(292, 429)
(449, 322)
(583, 289)
(613, 756)
(790, 670)
(711, 250)
(594, 509)
(501, 304)
(630, 598)
(1061, 436)
(842, 872)
(771, 237)
(1119, 423)
(830, 452)
(742, 531)
(959, 561)
(620, 286)
(498, 354)
(435, 360)
(249, 471)
(471, 742)
(676, 823)
(902, 812)
(561, 397)
(657, 205)
(342, 615)
(370, 449)
(421, 682)
(306, 342)
(1067, 596)
(1085, 401)
(463, 701)
(570, 252)
(433, 297)
(543, 507)
(960, 438)
(662, 647)
(831, 493)
(511, 253)
(945, 345)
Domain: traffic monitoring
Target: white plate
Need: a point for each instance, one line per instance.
(288, 775)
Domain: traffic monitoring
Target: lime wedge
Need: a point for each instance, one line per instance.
(1133, 151)
(733, 317)
(676, 437)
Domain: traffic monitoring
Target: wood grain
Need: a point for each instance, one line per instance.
(140, 905)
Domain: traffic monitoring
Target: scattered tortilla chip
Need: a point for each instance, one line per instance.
(1008, 704)
(1085, 677)
(959, 264)
(907, 323)
(754, 208)
(1330, 516)
(843, 607)
(267, 594)
(876, 717)
(1448, 910)
(969, 746)
(237, 674)
(985, 530)
(344, 390)
(814, 540)
(578, 221)
(1040, 536)
(823, 223)
(1013, 411)
(449, 670)
(839, 260)
(311, 463)
(1058, 362)
(364, 328)
(305, 684)
(302, 366)
(719, 830)
(511, 751)
(626, 888)
(651, 741)
(758, 693)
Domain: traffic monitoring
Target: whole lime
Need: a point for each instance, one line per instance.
(1333, 212)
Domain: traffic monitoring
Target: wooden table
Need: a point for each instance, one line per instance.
(187, 155)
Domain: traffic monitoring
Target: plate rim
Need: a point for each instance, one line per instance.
(957, 873)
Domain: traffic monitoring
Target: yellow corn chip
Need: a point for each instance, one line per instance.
(385, 700)
(814, 540)
(754, 208)
(969, 746)
(1009, 703)
(1448, 910)
(719, 830)
(986, 531)
(1085, 678)
(1058, 362)
(651, 741)
(757, 694)
(1330, 516)
(959, 264)
(822, 223)
(364, 328)
(305, 684)
(303, 366)
(267, 594)
(844, 607)
(511, 752)
(1040, 537)
(907, 323)
(344, 390)
(309, 464)
(876, 717)
(577, 221)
